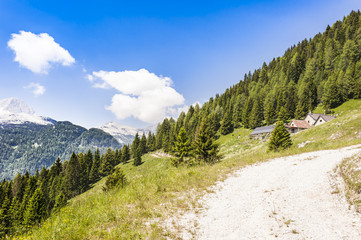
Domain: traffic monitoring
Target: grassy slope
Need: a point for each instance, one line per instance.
(350, 170)
(157, 190)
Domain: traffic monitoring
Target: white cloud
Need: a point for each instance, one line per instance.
(38, 52)
(36, 88)
(142, 94)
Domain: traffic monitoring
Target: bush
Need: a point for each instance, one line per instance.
(116, 180)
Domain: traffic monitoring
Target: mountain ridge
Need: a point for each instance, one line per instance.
(29, 142)
(124, 134)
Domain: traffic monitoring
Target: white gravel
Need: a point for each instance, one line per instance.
(285, 198)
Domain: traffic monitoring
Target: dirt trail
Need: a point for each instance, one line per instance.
(285, 198)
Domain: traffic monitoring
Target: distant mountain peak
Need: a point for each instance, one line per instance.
(15, 105)
(124, 134)
(17, 111)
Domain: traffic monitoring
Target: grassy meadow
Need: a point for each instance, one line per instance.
(157, 190)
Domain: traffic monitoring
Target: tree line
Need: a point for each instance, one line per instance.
(27, 200)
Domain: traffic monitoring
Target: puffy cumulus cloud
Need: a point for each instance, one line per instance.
(37, 52)
(142, 94)
(36, 89)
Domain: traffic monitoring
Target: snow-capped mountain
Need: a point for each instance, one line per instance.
(16, 111)
(124, 134)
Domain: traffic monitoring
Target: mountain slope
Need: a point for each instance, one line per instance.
(324, 72)
(31, 146)
(157, 190)
(29, 142)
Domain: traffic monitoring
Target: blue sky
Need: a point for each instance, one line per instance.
(135, 62)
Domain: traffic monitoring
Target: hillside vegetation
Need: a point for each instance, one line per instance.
(350, 170)
(28, 147)
(157, 190)
(319, 73)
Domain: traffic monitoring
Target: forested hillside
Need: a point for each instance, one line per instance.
(28, 200)
(28, 147)
(324, 70)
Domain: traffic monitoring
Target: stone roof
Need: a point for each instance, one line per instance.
(326, 117)
(299, 124)
(315, 116)
(262, 130)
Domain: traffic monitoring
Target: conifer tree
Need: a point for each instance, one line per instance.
(18, 188)
(182, 147)
(107, 163)
(72, 176)
(88, 160)
(149, 142)
(270, 109)
(56, 168)
(83, 173)
(247, 112)
(117, 157)
(255, 119)
(60, 202)
(138, 157)
(5, 217)
(282, 115)
(125, 154)
(35, 209)
(227, 125)
(280, 138)
(135, 144)
(205, 148)
(94, 172)
(143, 144)
(16, 215)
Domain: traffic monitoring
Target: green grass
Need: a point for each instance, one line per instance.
(158, 190)
(350, 170)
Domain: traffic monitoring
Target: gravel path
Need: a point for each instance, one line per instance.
(285, 198)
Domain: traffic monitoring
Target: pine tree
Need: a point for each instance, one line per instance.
(247, 112)
(107, 163)
(72, 177)
(150, 142)
(137, 157)
(205, 148)
(226, 125)
(94, 172)
(282, 115)
(280, 138)
(255, 119)
(182, 147)
(56, 168)
(5, 217)
(88, 160)
(117, 157)
(270, 109)
(143, 144)
(83, 173)
(35, 209)
(125, 154)
(135, 144)
(16, 215)
(60, 202)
